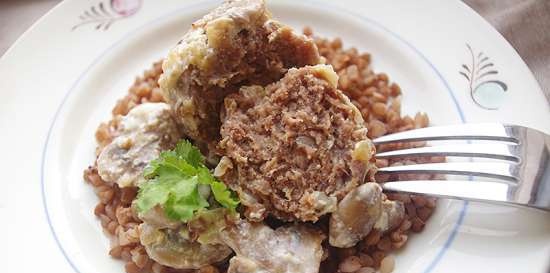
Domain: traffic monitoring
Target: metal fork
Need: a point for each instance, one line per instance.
(519, 164)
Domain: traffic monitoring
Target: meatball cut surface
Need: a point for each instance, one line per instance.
(294, 148)
(234, 45)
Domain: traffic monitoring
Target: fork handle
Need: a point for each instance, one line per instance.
(480, 191)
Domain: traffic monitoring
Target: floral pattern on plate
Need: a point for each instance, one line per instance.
(104, 15)
(486, 91)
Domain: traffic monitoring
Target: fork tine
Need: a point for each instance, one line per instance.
(494, 151)
(502, 171)
(489, 131)
(456, 189)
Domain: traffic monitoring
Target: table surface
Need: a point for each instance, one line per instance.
(524, 24)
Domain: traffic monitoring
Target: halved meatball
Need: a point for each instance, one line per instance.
(234, 45)
(294, 148)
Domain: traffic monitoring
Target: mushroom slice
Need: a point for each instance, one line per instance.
(143, 133)
(244, 265)
(156, 217)
(260, 249)
(172, 247)
(393, 213)
(356, 215)
(362, 210)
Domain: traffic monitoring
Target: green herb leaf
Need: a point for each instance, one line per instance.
(189, 153)
(184, 200)
(173, 182)
(222, 194)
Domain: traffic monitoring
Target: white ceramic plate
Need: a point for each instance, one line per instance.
(62, 77)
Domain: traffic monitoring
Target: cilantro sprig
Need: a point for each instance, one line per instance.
(173, 182)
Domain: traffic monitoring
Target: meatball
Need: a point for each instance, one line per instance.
(234, 45)
(294, 148)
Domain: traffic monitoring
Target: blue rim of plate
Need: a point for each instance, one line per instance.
(440, 254)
